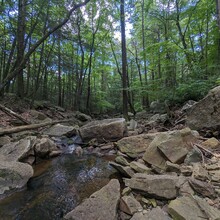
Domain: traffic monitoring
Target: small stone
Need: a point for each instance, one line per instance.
(211, 143)
(140, 168)
(130, 205)
(126, 191)
(121, 160)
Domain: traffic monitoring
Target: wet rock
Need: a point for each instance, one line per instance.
(125, 171)
(130, 205)
(61, 130)
(211, 143)
(121, 160)
(101, 205)
(191, 208)
(16, 151)
(44, 147)
(157, 186)
(134, 145)
(139, 167)
(13, 175)
(203, 188)
(104, 130)
(205, 113)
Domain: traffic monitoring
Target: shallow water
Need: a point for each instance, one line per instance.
(57, 187)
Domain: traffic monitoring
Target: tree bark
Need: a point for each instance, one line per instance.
(124, 61)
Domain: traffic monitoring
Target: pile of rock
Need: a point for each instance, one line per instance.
(165, 178)
(17, 157)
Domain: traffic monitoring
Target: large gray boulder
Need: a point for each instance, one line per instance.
(101, 205)
(104, 130)
(16, 151)
(205, 113)
(156, 186)
(172, 146)
(13, 175)
(134, 145)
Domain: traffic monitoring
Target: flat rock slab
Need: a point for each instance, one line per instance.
(134, 145)
(13, 175)
(126, 171)
(59, 130)
(192, 208)
(16, 151)
(102, 130)
(130, 205)
(156, 186)
(101, 205)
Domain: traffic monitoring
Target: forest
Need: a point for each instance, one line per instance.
(109, 56)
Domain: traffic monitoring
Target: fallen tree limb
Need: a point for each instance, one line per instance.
(28, 127)
(11, 113)
(208, 151)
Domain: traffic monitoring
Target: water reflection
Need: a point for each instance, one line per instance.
(60, 186)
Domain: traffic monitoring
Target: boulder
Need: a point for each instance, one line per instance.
(156, 186)
(82, 117)
(193, 156)
(45, 147)
(13, 175)
(104, 130)
(101, 205)
(199, 172)
(36, 115)
(130, 205)
(172, 146)
(191, 208)
(158, 107)
(125, 171)
(205, 113)
(134, 145)
(61, 130)
(16, 151)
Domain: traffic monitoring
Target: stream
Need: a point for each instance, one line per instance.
(58, 186)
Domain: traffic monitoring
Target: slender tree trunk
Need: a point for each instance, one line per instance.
(21, 44)
(124, 61)
(59, 71)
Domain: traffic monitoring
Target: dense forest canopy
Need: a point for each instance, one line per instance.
(103, 56)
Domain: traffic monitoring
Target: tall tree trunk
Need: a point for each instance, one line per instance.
(124, 61)
(145, 97)
(59, 71)
(21, 44)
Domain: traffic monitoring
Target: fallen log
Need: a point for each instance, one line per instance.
(28, 127)
(12, 113)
